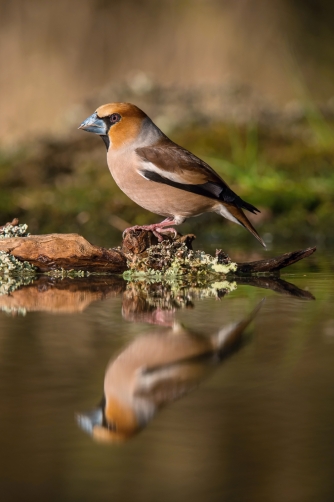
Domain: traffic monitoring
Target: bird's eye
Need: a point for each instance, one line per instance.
(115, 117)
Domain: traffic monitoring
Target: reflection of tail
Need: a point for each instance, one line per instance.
(228, 337)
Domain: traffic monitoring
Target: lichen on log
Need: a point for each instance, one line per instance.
(175, 258)
(13, 229)
(140, 253)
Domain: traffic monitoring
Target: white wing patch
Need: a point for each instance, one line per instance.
(149, 166)
(223, 211)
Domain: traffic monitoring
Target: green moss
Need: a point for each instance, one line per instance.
(172, 260)
(180, 292)
(14, 310)
(61, 273)
(10, 230)
(9, 265)
(9, 283)
(14, 273)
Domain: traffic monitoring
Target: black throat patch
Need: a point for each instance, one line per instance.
(106, 141)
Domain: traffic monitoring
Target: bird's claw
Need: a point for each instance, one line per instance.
(156, 229)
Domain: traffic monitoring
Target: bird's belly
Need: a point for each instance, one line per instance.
(159, 198)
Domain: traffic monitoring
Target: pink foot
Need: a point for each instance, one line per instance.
(166, 230)
(158, 229)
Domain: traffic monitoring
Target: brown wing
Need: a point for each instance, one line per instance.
(173, 165)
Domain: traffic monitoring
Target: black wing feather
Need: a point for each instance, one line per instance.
(210, 189)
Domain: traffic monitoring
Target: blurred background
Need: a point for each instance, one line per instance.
(248, 86)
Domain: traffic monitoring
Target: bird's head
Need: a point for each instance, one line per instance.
(116, 123)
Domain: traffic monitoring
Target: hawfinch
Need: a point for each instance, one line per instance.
(154, 370)
(160, 175)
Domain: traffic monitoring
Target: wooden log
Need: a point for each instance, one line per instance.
(74, 252)
(274, 264)
(67, 251)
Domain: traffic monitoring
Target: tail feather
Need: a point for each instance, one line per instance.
(242, 219)
(246, 205)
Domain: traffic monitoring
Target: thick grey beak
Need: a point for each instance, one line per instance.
(94, 124)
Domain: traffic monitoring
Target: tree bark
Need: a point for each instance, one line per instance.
(274, 265)
(74, 252)
(67, 251)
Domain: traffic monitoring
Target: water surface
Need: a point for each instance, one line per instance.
(258, 426)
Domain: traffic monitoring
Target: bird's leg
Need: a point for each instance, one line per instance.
(156, 228)
(161, 230)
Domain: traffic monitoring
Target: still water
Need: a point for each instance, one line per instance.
(196, 412)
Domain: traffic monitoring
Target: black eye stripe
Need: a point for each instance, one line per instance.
(109, 121)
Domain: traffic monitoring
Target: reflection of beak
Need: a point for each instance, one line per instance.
(87, 421)
(92, 422)
(94, 124)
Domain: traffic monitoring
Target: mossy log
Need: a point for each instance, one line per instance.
(74, 252)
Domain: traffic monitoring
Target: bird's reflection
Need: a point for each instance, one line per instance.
(154, 370)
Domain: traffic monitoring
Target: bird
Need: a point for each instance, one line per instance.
(160, 175)
(155, 369)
